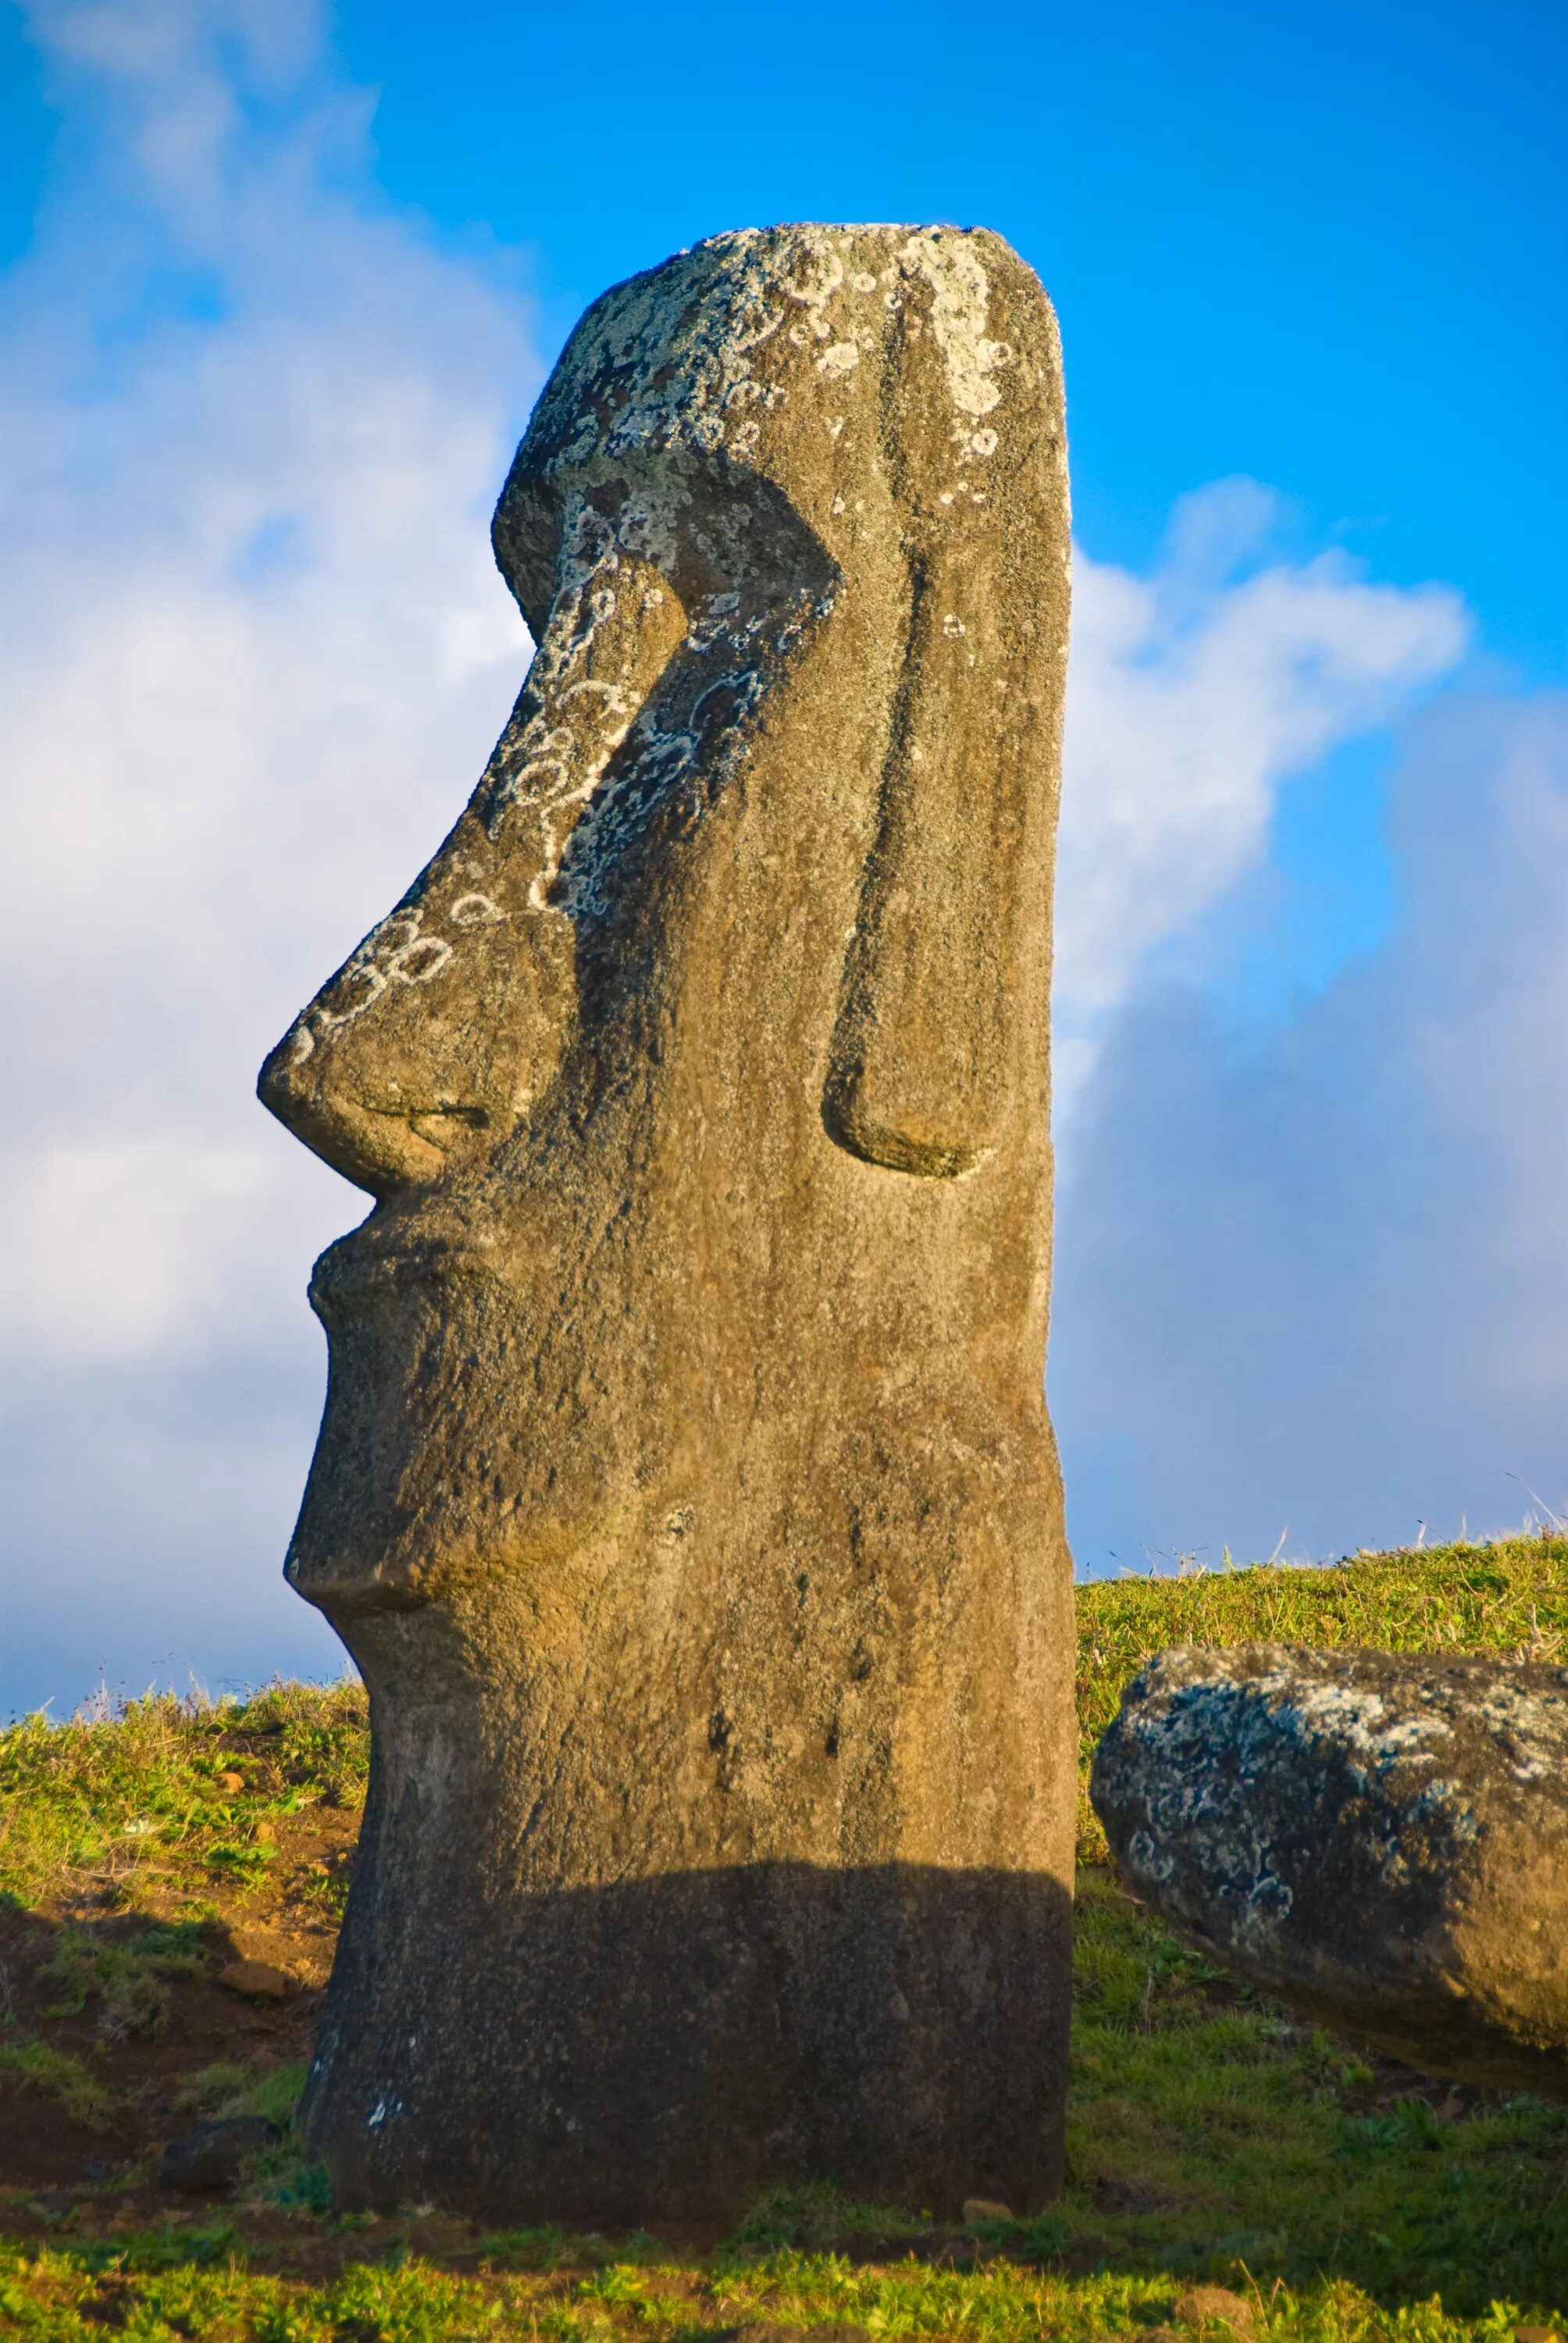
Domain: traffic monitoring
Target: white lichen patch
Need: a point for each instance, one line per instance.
(676, 350)
(395, 953)
(960, 289)
(1361, 1720)
(474, 911)
(589, 679)
(1531, 1728)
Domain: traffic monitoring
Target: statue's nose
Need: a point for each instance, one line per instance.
(449, 1019)
(359, 1102)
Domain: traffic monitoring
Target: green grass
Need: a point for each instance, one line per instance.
(195, 2286)
(1210, 2137)
(119, 1802)
(126, 1981)
(1207, 2128)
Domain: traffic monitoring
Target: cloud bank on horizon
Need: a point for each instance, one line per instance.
(254, 656)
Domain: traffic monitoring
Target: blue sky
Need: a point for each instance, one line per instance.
(1322, 246)
(279, 286)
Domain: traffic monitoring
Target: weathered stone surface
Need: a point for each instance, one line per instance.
(215, 2155)
(983, 2209)
(685, 1491)
(260, 1980)
(1205, 2306)
(1380, 1839)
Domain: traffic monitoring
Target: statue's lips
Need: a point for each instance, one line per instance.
(377, 1265)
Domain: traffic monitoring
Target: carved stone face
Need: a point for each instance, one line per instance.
(756, 877)
(685, 1490)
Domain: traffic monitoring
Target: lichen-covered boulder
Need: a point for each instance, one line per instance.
(1380, 1839)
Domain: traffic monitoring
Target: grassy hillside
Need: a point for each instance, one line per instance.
(1212, 2139)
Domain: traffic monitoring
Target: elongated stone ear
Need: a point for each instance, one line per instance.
(918, 1073)
(919, 1066)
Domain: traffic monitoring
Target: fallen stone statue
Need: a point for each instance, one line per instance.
(685, 1491)
(1380, 1839)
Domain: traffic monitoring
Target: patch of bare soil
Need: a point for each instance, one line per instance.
(86, 2111)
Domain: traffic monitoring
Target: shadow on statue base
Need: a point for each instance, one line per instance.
(896, 2029)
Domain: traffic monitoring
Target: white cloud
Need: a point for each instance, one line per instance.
(103, 1232)
(255, 646)
(1192, 696)
(1317, 1272)
(252, 653)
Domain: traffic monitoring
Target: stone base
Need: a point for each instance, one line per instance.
(899, 2030)
(1378, 1838)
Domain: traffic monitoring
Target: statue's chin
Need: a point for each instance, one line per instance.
(437, 1479)
(349, 1585)
(445, 1560)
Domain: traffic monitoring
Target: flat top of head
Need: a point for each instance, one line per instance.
(728, 351)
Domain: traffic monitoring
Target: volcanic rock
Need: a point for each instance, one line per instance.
(257, 1980)
(1202, 2307)
(1378, 1839)
(214, 2155)
(685, 1492)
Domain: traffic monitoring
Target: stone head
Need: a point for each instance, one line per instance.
(709, 1051)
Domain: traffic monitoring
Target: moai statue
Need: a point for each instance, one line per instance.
(685, 1492)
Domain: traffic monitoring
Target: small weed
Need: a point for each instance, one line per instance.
(285, 2181)
(1043, 2240)
(241, 1860)
(1417, 2119)
(814, 2214)
(59, 2076)
(549, 2248)
(273, 2092)
(225, 2089)
(327, 1890)
(127, 1976)
(211, 2090)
